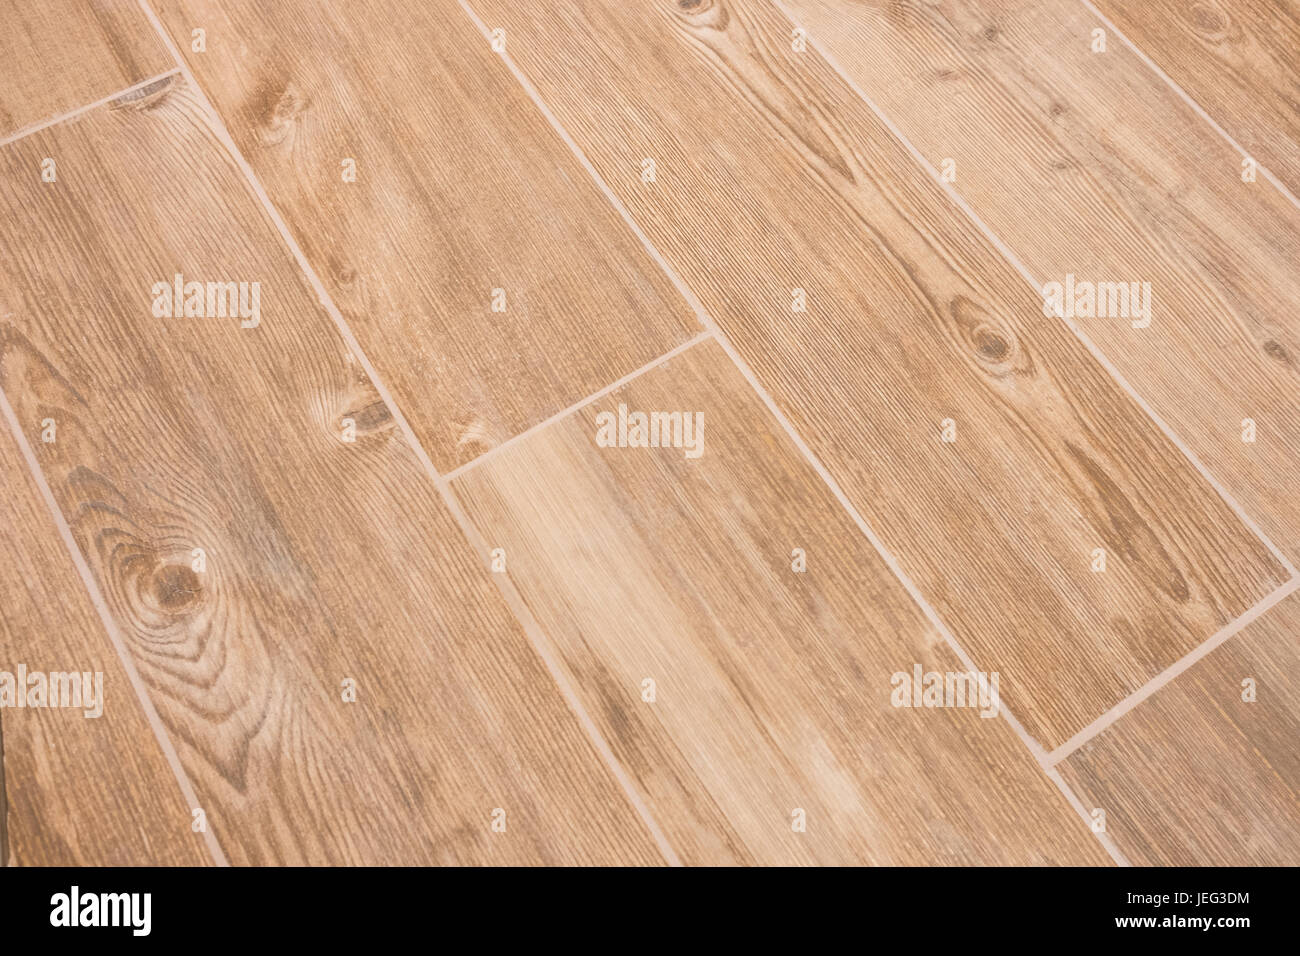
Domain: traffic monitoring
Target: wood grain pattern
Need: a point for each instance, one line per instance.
(1197, 776)
(772, 688)
(1089, 164)
(78, 791)
(60, 55)
(1236, 59)
(462, 188)
(325, 560)
(912, 318)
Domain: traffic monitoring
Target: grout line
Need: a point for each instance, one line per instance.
(64, 117)
(110, 625)
(696, 305)
(581, 403)
(1170, 673)
(549, 657)
(1034, 747)
(1049, 761)
(1186, 98)
(1015, 262)
(1102, 836)
(1045, 760)
(508, 592)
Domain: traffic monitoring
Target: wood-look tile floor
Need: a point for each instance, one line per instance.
(481, 432)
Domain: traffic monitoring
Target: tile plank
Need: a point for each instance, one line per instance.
(1088, 164)
(772, 688)
(913, 319)
(1198, 776)
(461, 189)
(326, 560)
(60, 55)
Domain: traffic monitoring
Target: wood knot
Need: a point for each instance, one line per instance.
(276, 111)
(990, 344)
(1209, 21)
(341, 272)
(368, 418)
(163, 593)
(175, 586)
(1278, 352)
(288, 107)
(706, 14)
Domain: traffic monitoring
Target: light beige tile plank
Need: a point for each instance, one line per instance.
(1089, 164)
(772, 688)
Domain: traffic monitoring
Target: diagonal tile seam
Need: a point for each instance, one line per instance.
(541, 645)
(1196, 107)
(1170, 673)
(1049, 761)
(1231, 627)
(1020, 267)
(581, 403)
(73, 114)
(110, 626)
(1035, 748)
